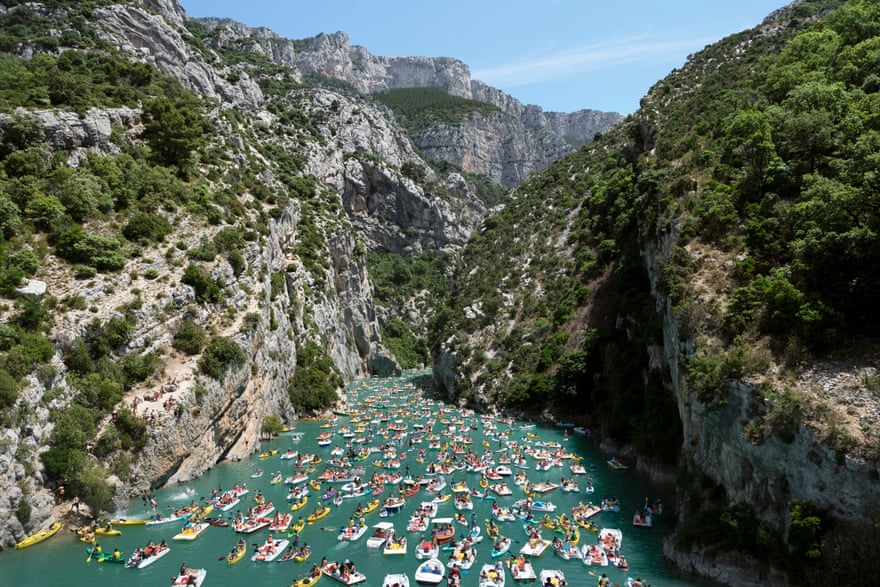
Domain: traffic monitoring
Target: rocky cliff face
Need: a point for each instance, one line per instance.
(506, 147)
(766, 472)
(354, 158)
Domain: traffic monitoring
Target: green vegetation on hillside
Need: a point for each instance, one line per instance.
(768, 154)
(421, 108)
(315, 381)
(402, 282)
(750, 175)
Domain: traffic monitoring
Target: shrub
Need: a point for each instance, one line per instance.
(23, 511)
(220, 354)
(138, 368)
(101, 252)
(189, 338)
(146, 226)
(8, 389)
(207, 290)
(272, 426)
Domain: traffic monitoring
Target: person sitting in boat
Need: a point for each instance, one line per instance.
(116, 554)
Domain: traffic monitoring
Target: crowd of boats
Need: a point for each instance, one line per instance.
(403, 451)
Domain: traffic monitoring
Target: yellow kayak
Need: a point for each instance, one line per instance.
(300, 503)
(39, 536)
(268, 453)
(296, 527)
(128, 522)
(318, 514)
(236, 554)
(307, 581)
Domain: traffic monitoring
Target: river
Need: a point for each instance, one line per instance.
(376, 404)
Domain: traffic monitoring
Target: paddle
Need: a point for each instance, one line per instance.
(91, 551)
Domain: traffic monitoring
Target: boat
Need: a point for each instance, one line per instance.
(535, 547)
(236, 554)
(594, 555)
(128, 521)
(522, 570)
(165, 520)
(88, 533)
(543, 506)
(427, 549)
(217, 521)
(270, 550)
(38, 537)
(566, 550)
(544, 487)
(281, 523)
(615, 463)
(344, 573)
(492, 575)
(143, 558)
(105, 557)
(192, 577)
(552, 578)
(302, 554)
(395, 580)
(442, 530)
(191, 531)
(250, 526)
(309, 579)
(300, 503)
(395, 545)
(392, 506)
(502, 545)
(268, 453)
(352, 533)
(463, 556)
(319, 513)
(642, 519)
(610, 504)
(381, 532)
(610, 538)
(367, 508)
(430, 572)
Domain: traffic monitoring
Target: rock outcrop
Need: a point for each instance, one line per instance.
(506, 147)
(355, 159)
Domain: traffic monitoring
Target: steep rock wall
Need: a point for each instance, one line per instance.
(520, 140)
(767, 475)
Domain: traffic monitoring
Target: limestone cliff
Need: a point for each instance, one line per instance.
(302, 278)
(506, 147)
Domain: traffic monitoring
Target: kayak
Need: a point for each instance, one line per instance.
(318, 514)
(128, 522)
(39, 536)
(309, 580)
(236, 554)
(105, 557)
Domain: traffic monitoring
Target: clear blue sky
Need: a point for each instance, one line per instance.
(563, 55)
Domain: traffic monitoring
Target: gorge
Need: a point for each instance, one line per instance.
(634, 283)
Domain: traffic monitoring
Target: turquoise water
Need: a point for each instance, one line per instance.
(61, 560)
